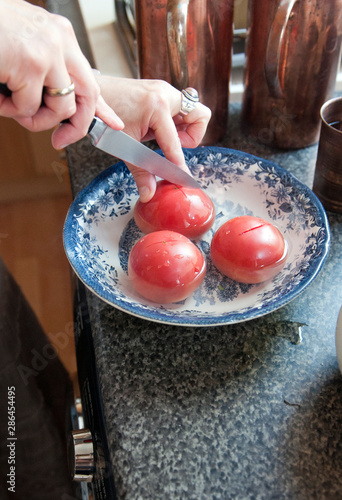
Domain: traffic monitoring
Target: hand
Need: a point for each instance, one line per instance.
(149, 109)
(38, 50)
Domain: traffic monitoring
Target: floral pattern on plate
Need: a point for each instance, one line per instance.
(100, 231)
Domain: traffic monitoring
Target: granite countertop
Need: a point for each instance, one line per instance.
(245, 411)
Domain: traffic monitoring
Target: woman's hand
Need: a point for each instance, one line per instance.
(150, 110)
(39, 50)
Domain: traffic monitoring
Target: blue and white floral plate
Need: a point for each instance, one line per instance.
(100, 231)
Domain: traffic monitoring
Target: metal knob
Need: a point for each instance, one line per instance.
(81, 455)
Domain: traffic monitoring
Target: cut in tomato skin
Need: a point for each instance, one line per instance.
(248, 249)
(166, 267)
(185, 210)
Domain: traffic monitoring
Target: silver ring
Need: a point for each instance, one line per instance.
(189, 100)
(60, 92)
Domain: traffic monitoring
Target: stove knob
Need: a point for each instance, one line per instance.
(81, 455)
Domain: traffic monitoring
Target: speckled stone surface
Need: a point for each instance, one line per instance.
(246, 411)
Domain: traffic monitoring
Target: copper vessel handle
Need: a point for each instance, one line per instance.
(176, 20)
(274, 45)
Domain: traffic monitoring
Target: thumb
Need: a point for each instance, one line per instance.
(146, 182)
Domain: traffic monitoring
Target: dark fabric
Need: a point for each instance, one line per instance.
(30, 368)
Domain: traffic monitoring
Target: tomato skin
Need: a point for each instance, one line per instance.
(185, 210)
(248, 249)
(165, 267)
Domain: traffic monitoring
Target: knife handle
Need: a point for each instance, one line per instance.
(96, 130)
(4, 90)
(92, 125)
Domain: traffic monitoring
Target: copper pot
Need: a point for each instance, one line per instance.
(188, 43)
(293, 52)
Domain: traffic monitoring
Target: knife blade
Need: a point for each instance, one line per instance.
(121, 145)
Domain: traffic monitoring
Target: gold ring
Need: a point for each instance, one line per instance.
(60, 92)
(189, 100)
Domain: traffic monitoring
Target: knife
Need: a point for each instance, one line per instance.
(121, 145)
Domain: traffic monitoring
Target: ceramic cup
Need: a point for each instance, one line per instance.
(328, 173)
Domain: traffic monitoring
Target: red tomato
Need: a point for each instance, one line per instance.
(248, 249)
(185, 210)
(165, 267)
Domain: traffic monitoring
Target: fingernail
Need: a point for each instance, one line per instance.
(144, 193)
(117, 120)
(120, 122)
